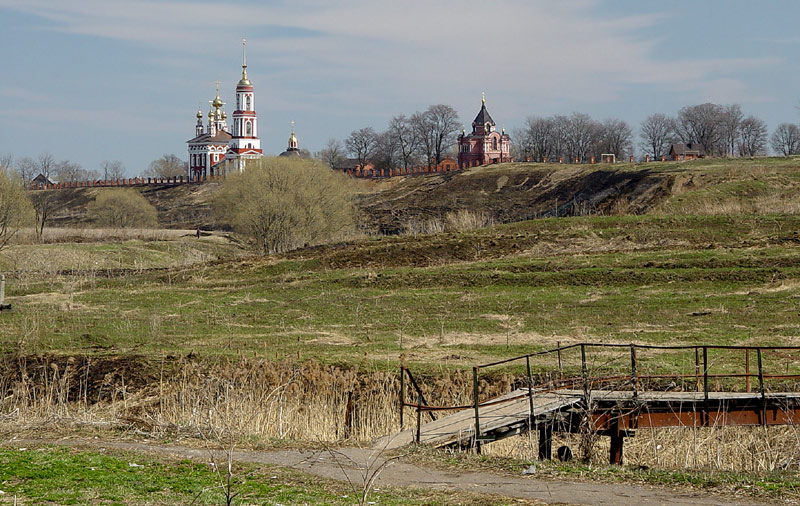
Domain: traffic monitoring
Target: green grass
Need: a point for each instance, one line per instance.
(650, 279)
(67, 476)
(776, 485)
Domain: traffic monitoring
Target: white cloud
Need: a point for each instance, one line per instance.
(410, 51)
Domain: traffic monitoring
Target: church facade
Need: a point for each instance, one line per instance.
(216, 150)
(485, 145)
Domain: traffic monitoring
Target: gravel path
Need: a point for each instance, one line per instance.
(353, 461)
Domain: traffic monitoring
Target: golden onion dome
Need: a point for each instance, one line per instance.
(224, 115)
(199, 114)
(217, 102)
(211, 114)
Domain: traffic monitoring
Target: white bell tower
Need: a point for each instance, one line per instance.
(245, 144)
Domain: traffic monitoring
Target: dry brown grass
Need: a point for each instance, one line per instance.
(66, 235)
(259, 401)
(739, 449)
(462, 220)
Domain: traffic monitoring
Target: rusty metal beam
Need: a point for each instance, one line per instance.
(695, 416)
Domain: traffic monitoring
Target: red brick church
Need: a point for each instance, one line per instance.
(485, 144)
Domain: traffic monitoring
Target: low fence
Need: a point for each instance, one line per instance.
(572, 367)
(125, 182)
(368, 173)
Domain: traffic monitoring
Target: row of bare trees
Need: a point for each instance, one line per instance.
(61, 170)
(722, 130)
(65, 171)
(424, 137)
(577, 136)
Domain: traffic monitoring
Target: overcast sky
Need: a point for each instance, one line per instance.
(91, 80)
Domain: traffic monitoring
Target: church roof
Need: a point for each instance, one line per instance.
(295, 153)
(221, 137)
(483, 117)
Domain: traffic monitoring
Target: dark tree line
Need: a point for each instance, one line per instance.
(572, 137)
(425, 137)
(722, 130)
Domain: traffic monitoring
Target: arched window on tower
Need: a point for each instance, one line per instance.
(494, 143)
(247, 102)
(248, 129)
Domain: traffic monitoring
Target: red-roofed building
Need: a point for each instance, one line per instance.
(485, 144)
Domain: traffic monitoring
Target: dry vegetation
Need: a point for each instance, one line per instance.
(150, 332)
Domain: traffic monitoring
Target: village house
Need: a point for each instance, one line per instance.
(688, 151)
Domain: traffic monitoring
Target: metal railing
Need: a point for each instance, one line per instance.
(635, 379)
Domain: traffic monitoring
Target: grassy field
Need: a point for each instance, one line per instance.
(472, 297)
(51, 475)
(150, 331)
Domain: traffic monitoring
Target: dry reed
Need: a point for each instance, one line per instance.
(260, 400)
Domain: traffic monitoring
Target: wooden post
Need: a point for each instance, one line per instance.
(761, 388)
(419, 417)
(560, 368)
(348, 416)
(402, 394)
(706, 413)
(530, 389)
(697, 366)
(2, 289)
(615, 452)
(545, 442)
(747, 369)
(634, 377)
(477, 415)
(584, 374)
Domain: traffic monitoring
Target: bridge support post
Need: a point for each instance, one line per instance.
(402, 394)
(419, 418)
(477, 415)
(617, 439)
(545, 442)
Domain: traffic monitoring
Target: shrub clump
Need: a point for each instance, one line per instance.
(15, 206)
(281, 204)
(122, 208)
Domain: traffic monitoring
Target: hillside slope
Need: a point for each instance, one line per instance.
(515, 192)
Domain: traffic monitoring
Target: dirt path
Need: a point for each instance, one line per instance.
(400, 474)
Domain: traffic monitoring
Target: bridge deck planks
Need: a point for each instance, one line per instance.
(512, 409)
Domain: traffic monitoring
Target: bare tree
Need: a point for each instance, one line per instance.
(165, 167)
(443, 121)
(786, 139)
(703, 124)
(46, 164)
(112, 169)
(540, 138)
(386, 152)
(362, 143)
(44, 203)
(426, 146)
(656, 133)
(332, 154)
(752, 137)
(730, 120)
(15, 208)
(615, 137)
(67, 171)
(407, 138)
(6, 161)
(581, 134)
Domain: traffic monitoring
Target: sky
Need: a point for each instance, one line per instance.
(94, 80)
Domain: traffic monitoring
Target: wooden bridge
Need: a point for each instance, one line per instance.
(613, 405)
